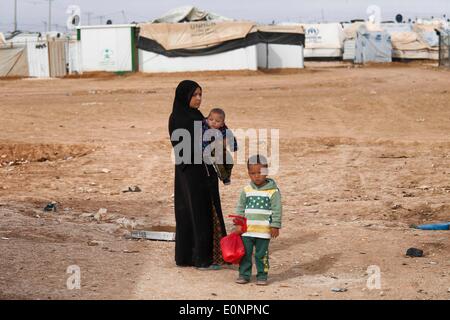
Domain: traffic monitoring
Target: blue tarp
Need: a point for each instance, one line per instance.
(372, 46)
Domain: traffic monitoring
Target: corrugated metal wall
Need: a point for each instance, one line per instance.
(57, 58)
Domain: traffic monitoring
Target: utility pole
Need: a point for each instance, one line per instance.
(49, 15)
(124, 17)
(89, 18)
(101, 19)
(45, 25)
(15, 15)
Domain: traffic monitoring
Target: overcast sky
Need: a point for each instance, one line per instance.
(33, 13)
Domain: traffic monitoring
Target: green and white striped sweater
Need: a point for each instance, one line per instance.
(262, 208)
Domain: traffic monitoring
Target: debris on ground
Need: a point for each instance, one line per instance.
(414, 252)
(51, 206)
(339, 289)
(126, 223)
(101, 214)
(130, 251)
(93, 243)
(153, 235)
(132, 189)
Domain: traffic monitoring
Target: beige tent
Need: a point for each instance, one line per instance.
(13, 62)
(194, 35)
(211, 45)
(410, 45)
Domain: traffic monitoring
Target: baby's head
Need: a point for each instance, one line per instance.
(257, 169)
(216, 118)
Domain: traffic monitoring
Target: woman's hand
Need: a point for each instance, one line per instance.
(274, 232)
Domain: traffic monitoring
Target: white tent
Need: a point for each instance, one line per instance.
(324, 40)
(107, 48)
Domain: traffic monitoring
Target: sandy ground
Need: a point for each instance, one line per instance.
(364, 152)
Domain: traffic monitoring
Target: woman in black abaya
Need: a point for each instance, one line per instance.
(198, 212)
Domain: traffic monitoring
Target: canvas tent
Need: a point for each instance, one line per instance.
(324, 40)
(107, 48)
(350, 31)
(413, 41)
(189, 14)
(13, 62)
(201, 46)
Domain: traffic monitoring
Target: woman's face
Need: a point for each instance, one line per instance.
(196, 99)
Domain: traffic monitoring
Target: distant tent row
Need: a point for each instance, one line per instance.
(189, 39)
(408, 41)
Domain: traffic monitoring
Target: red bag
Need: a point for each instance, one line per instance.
(232, 248)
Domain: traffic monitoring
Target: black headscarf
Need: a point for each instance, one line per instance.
(183, 95)
(183, 116)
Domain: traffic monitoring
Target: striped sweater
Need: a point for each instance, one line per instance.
(262, 208)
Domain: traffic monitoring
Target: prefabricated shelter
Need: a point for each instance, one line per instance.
(372, 45)
(107, 48)
(324, 40)
(210, 45)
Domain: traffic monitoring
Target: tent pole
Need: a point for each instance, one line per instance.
(15, 15)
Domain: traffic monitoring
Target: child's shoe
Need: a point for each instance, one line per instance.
(241, 280)
(261, 282)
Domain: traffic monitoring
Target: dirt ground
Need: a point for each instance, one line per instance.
(364, 153)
